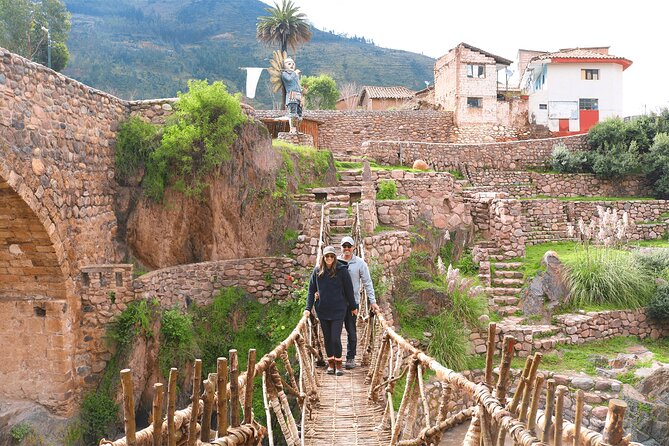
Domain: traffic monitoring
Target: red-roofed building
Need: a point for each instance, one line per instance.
(571, 90)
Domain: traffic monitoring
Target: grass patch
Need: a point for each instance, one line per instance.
(533, 255)
(353, 165)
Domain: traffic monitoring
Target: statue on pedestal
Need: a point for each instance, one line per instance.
(284, 76)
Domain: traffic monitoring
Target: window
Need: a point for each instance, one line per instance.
(476, 71)
(475, 102)
(543, 106)
(588, 104)
(589, 74)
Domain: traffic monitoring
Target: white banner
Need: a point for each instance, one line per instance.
(252, 78)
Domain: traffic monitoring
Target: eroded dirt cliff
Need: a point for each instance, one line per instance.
(237, 216)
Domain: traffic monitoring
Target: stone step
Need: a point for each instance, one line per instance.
(338, 211)
(508, 283)
(349, 183)
(507, 265)
(500, 273)
(505, 300)
(506, 311)
(501, 291)
(550, 342)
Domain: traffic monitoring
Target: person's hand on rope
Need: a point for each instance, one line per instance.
(375, 308)
(316, 296)
(354, 312)
(307, 313)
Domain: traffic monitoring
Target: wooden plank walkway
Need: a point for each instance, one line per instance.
(345, 416)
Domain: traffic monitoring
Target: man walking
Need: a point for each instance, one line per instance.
(359, 272)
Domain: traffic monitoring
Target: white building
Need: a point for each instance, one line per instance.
(573, 89)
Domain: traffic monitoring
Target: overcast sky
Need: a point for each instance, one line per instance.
(637, 30)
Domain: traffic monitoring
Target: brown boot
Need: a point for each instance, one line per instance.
(339, 366)
(331, 366)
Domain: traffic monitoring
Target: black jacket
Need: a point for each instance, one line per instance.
(336, 294)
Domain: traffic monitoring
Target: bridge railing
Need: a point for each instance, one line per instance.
(228, 394)
(494, 415)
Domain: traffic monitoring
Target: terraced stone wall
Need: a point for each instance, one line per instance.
(514, 155)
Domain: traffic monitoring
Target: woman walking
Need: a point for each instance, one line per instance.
(331, 293)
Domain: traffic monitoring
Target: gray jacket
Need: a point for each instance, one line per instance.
(359, 272)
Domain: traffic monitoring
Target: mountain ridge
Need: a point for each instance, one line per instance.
(146, 49)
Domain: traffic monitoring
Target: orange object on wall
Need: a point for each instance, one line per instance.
(588, 118)
(564, 125)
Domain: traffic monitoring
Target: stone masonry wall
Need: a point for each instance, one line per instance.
(265, 278)
(512, 155)
(388, 249)
(399, 214)
(559, 185)
(343, 132)
(506, 227)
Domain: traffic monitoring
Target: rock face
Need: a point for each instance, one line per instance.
(548, 289)
(237, 217)
(648, 409)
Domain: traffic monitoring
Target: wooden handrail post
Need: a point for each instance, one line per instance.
(490, 352)
(128, 407)
(578, 418)
(157, 414)
(508, 345)
(613, 427)
(559, 414)
(521, 385)
(529, 385)
(222, 397)
(534, 407)
(550, 404)
(195, 401)
(171, 407)
(234, 388)
(248, 394)
(205, 432)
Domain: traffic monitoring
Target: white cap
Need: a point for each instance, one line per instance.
(348, 240)
(329, 250)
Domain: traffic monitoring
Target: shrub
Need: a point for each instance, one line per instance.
(133, 321)
(656, 261)
(564, 160)
(656, 165)
(449, 343)
(135, 142)
(466, 264)
(196, 140)
(20, 431)
(658, 307)
(98, 416)
(610, 131)
(176, 340)
(616, 160)
(610, 277)
(387, 190)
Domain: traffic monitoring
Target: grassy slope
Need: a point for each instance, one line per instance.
(149, 48)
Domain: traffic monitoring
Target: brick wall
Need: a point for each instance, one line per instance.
(513, 155)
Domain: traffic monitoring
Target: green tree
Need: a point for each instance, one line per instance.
(321, 92)
(23, 25)
(656, 165)
(284, 25)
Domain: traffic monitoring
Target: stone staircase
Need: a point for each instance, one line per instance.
(538, 337)
(506, 281)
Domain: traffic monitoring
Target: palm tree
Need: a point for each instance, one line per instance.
(284, 25)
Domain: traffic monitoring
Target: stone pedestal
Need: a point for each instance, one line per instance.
(300, 139)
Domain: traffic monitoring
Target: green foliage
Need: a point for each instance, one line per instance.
(656, 165)
(466, 264)
(607, 276)
(134, 321)
(450, 341)
(20, 431)
(616, 160)
(658, 307)
(609, 132)
(196, 140)
(387, 190)
(303, 168)
(321, 92)
(564, 160)
(284, 26)
(98, 416)
(177, 340)
(655, 261)
(136, 140)
(21, 32)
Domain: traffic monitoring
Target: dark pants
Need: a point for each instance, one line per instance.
(352, 335)
(332, 337)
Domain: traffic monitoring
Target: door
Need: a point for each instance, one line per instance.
(564, 125)
(588, 118)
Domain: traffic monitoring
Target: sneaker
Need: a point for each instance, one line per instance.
(331, 367)
(350, 364)
(340, 370)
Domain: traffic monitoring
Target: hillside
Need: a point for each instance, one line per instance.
(140, 49)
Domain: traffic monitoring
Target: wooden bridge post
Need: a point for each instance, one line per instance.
(559, 413)
(171, 407)
(504, 366)
(578, 418)
(613, 427)
(550, 404)
(222, 397)
(205, 432)
(128, 407)
(534, 407)
(379, 366)
(490, 352)
(529, 385)
(157, 415)
(408, 389)
(248, 394)
(521, 385)
(195, 401)
(234, 388)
